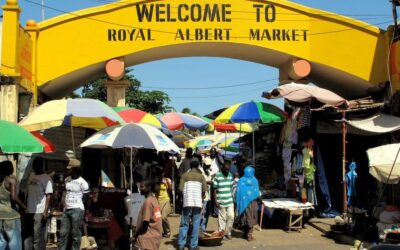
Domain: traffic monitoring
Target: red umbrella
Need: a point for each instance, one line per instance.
(47, 145)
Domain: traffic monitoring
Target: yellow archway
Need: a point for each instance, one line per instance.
(62, 53)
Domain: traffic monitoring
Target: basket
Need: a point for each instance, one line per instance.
(211, 239)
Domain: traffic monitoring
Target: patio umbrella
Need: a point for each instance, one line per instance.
(139, 116)
(131, 135)
(252, 112)
(384, 163)
(176, 121)
(48, 146)
(233, 127)
(199, 143)
(303, 93)
(178, 137)
(87, 113)
(15, 139)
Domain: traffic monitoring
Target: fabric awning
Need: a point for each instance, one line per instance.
(380, 123)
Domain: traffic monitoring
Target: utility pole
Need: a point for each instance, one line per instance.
(395, 3)
(42, 10)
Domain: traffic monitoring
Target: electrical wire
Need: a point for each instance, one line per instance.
(253, 12)
(168, 32)
(216, 96)
(210, 87)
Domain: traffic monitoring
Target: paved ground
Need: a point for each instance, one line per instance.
(309, 238)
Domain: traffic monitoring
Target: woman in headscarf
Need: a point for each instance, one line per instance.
(247, 195)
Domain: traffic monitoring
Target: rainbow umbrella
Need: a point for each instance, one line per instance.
(87, 113)
(233, 127)
(196, 143)
(252, 112)
(176, 121)
(15, 139)
(139, 116)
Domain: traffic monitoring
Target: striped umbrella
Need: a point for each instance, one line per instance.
(176, 121)
(252, 112)
(87, 113)
(15, 139)
(139, 116)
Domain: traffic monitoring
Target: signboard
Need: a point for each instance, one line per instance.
(223, 16)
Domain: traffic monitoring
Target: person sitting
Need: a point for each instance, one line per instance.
(247, 195)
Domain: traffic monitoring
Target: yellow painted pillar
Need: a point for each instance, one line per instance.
(10, 38)
(9, 70)
(32, 29)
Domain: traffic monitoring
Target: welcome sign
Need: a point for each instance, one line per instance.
(207, 14)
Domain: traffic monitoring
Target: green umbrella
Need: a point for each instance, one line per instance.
(15, 139)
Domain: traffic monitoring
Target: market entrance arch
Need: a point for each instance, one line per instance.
(59, 55)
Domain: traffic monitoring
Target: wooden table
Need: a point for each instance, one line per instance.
(284, 204)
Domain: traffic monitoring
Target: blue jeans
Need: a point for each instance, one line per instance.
(188, 213)
(36, 231)
(71, 222)
(205, 215)
(10, 234)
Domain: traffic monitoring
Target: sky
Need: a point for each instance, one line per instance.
(192, 72)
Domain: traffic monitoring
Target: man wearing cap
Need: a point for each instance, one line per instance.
(40, 189)
(74, 211)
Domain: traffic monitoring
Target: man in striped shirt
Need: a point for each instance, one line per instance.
(193, 186)
(223, 192)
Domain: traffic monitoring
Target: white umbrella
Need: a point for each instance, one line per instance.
(384, 163)
(134, 135)
(131, 135)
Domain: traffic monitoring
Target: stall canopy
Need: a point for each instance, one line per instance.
(304, 93)
(379, 123)
(384, 163)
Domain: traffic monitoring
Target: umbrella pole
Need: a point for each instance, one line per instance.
(344, 131)
(240, 134)
(73, 139)
(225, 143)
(173, 188)
(254, 149)
(130, 170)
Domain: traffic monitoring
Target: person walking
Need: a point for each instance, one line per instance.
(39, 191)
(165, 203)
(224, 202)
(149, 228)
(74, 211)
(193, 186)
(216, 161)
(207, 198)
(185, 164)
(247, 195)
(10, 219)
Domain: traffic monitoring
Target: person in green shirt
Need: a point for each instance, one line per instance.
(224, 201)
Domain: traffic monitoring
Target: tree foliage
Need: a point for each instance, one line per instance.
(149, 101)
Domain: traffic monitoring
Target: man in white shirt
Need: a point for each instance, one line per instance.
(74, 211)
(39, 191)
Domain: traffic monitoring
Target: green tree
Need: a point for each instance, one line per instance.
(186, 111)
(149, 101)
